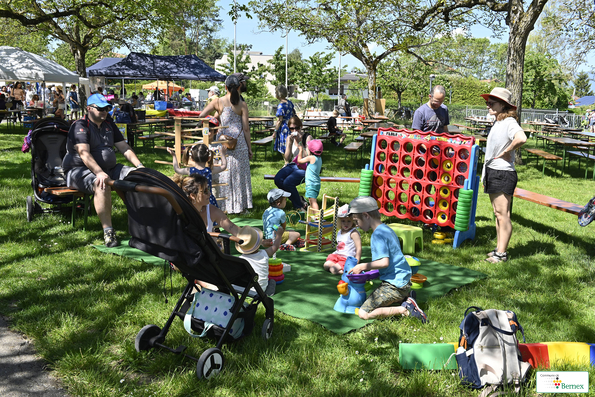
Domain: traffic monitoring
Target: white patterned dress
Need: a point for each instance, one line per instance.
(238, 193)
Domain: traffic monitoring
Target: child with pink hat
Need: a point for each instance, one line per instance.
(314, 162)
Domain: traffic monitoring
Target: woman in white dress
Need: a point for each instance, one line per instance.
(234, 115)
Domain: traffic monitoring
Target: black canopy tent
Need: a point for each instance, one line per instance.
(146, 66)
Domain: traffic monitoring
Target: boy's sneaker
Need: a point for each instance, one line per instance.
(586, 215)
(414, 310)
(109, 236)
(300, 243)
(286, 247)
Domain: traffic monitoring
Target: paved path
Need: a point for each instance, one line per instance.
(22, 372)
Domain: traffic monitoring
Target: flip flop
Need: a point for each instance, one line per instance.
(587, 214)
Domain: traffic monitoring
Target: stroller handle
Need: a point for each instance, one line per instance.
(127, 186)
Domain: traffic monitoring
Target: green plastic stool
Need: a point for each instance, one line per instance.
(411, 237)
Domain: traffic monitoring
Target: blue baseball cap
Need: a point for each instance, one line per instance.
(98, 100)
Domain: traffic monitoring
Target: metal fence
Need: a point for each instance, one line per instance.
(572, 120)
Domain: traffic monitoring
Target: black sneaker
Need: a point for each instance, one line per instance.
(414, 310)
(109, 236)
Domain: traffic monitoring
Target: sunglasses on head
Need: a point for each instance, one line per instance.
(103, 109)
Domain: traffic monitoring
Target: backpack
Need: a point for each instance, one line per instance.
(488, 352)
(122, 117)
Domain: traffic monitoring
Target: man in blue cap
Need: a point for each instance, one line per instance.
(90, 160)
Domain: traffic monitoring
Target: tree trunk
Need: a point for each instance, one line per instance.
(371, 69)
(80, 53)
(521, 23)
(399, 93)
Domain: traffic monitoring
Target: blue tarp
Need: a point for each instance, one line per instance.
(146, 66)
(585, 101)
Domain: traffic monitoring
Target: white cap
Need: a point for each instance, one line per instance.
(362, 204)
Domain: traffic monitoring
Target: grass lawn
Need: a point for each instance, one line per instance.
(83, 309)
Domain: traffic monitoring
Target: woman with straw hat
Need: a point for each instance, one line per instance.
(499, 175)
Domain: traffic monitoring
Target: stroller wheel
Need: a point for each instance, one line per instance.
(144, 336)
(30, 209)
(267, 328)
(210, 363)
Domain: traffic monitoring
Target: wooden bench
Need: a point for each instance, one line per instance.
(327, 179)
(150, 139)
(551, 202)
(583, 155)
(264, 142)
(77, 198)
(354, 147)
(544, 155)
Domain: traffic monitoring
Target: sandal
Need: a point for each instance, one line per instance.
(498, 257)
(491, 253)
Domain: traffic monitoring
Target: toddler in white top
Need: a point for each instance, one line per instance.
(349, 243)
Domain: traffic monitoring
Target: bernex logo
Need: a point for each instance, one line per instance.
(562, 382)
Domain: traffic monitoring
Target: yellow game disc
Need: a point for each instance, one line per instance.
(437, 241)
(449, 240)
(447, 165)
(442, 217)
(443, 205)
(439, 235)
(446, 179)
(444, 192)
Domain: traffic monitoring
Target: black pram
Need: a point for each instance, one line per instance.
(163, 222)
(48, 148)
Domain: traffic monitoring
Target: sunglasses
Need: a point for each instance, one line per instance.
(491, 103)
(103, 109)
(294, 129)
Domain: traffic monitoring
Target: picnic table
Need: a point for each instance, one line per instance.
(134, 129)
(583, 148)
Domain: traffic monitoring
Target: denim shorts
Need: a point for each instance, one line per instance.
(499, 181)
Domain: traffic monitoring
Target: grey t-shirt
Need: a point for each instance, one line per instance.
(500, 137)
(427, 119)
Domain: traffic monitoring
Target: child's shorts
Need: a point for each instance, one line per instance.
(312, 191)
(386, 295)
(338, 259)
(284, 237)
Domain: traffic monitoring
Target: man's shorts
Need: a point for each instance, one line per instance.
(499, 181)
(386, 295)
(338, 259)
(83, 180)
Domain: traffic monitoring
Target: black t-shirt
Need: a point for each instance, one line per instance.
(331, 124)
(100, 140)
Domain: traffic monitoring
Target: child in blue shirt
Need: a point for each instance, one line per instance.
(387, 257)
(314, 162)
(274, 218)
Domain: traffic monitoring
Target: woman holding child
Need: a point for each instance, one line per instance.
(499, 175)
(234, 114)
(293, 174)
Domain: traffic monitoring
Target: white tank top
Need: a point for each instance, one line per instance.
(345, 244)
(209, 224)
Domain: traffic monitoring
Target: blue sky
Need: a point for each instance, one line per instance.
(267, 43)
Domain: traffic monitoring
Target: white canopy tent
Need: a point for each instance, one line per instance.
(19, 65)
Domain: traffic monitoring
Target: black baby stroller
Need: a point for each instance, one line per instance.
(48, 148)
(163, 222)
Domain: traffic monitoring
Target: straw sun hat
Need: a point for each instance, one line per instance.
(502, 94)
(252, 238)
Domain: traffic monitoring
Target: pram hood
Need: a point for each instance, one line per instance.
(48, 148)
(156, 228)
